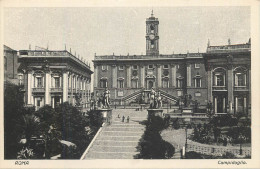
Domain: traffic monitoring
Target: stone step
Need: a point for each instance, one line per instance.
(108, 149)
(116, 143)
(111, 155)
(127, 125)
(119, 138)
(125, 129)
(121, 133)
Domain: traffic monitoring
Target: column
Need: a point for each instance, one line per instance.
(128, 76)
(52, 102)
(95, 76)
(65, 86)
(76, 83)
(47, 87)
(236, 104)
(249, 89)
(142, 76)
(71, 87)
(114, 76)
(159, 76)
(230, 89)
(245, 109)
(216, 105)
(188, 75)
(209, 72)
(173, 68)
(29, 88)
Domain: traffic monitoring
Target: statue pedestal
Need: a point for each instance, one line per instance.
(155, 112)
(187, 113)
(107, 114)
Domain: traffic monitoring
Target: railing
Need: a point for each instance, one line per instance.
(219, 88)
(50, 53)
(229, 48)
(165, 94)
(56, 89)
(218, 150)
(132, 95)
(238, 88)
(113, 57)
(38, 89)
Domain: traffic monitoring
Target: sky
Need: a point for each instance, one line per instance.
(121, 30)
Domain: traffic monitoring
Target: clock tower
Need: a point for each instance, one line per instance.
(152, 36)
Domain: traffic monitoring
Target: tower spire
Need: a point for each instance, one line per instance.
(152, 13)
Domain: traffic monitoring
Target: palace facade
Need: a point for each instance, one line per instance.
(53, 77)
(175, 75)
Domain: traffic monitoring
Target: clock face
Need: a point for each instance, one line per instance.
(151, 36)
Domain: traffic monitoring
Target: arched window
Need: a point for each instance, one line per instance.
(219, 77)
(240, 76)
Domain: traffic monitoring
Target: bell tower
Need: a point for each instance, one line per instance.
(152, 35)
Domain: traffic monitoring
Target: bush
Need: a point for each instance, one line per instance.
(193, 155)
(151, 145)
(228, 155)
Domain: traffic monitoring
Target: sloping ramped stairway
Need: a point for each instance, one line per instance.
(120, 139)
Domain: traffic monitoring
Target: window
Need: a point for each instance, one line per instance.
(56, 82)
(219, 80)
(103, 83)
(197, 65)
(179, 83)
(166, 66)
(104, 67)
(135, 67)
(240, 79)
(134, 83)
(39, 82)
(5, 60)
(152, 43)
(121, 67)
(20, 79)
(197, 82)
(165, 83)
(120, 83)
(150, 66)
(152, 28)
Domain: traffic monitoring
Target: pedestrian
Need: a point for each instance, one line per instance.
(127, 119)
(118, 116)
(123, 118)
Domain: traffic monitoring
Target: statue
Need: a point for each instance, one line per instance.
(106, 98)
(155, 100)
(152, 98)
(159, 101)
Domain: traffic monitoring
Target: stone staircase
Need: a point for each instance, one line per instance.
(120, 139)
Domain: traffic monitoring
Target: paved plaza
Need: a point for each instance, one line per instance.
(120, 139)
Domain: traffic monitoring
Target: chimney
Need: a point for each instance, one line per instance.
(229, 42)
(208, 43)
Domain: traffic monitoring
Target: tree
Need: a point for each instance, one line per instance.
(151, 145)
(13, 111)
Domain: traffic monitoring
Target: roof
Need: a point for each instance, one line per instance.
(6, 48)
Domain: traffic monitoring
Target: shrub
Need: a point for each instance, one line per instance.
(193, 155)
(228, 155)
(151, 145)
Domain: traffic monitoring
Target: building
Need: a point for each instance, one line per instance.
(10, 65)
(229, 77)
(53, 77)
(174, 75)
(221, 75)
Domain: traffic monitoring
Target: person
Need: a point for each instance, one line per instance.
(128, 119)
(118, 116)
(123, 118)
